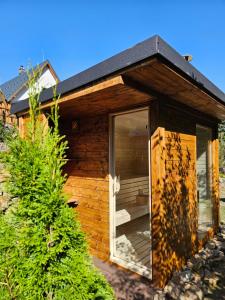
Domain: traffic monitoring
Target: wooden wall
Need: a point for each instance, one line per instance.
(174, 194)
(24, 121)
(88, 178)
(5, 116)
(173, 176)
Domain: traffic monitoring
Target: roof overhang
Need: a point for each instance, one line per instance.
(165, 81)
(105, 97)
(151, 68)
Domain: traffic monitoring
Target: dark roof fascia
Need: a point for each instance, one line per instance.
(176, 60)
(55, 75)
(146, 50)
(111, 66)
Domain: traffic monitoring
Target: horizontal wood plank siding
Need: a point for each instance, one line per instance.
(88, 179)
(5, 115)
(174, 211)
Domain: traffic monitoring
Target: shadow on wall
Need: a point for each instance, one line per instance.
(174, 210)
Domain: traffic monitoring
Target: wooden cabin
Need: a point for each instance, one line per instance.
(143, 156)
(5, 116)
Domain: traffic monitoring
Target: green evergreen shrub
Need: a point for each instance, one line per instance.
(42, 247)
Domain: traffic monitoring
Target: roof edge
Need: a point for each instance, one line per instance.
(179, 62)
(144, 51)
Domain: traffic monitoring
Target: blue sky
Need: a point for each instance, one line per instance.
(74, 35)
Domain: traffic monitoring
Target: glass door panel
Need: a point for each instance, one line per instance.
(204, 177)
(131, 191)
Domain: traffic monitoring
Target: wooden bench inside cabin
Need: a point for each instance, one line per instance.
(132, 201)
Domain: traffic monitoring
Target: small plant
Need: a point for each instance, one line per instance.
(46, 249)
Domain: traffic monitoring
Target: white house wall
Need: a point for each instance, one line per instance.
(45, 81)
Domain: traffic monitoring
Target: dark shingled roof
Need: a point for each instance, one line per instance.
(152, 47)
(12, 86)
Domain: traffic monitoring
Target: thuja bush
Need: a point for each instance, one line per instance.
(9, 257)
(46, 249)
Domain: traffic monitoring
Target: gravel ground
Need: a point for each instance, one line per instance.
(127, 285)
(203, 277)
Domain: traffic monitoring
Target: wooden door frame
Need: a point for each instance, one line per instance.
(112, 196)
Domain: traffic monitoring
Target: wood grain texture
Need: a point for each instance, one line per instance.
(101, 98)
(24, 121)
(5, 115)
(173, 178)
(162, 78)
(88, 180)
(174, 194)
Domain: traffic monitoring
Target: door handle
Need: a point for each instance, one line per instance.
(117, 184)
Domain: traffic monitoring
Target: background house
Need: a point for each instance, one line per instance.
(16, 89)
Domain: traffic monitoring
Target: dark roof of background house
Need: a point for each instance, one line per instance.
(154, 46)
(12, 86)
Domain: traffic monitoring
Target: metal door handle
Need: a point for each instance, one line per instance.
(117, 184)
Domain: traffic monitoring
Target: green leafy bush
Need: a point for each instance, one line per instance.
(43, 250)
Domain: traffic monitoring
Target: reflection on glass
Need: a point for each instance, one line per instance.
(204, 176)
(132, 241)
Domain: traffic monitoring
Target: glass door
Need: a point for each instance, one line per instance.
(131, 191)
(204, 177)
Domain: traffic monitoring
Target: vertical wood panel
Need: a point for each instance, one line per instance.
(159, 251)
(21, 126)
(174, 203)
(174, 193)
